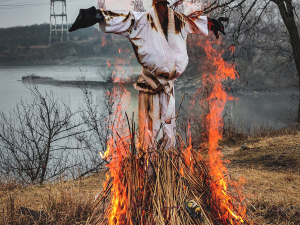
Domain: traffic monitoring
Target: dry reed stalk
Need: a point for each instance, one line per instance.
(153, 187)
(157, 187)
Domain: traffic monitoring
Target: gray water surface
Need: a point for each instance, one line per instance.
(12, 89)
(251, 110)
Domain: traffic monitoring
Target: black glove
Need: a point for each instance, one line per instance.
(216, 25)
(86, 18)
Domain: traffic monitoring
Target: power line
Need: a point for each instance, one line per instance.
(24, 5)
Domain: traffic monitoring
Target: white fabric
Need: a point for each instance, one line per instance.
(138, 29)
(164, 59)
(168, 129)
(157, 104)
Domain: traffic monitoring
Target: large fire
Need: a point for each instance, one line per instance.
(216, 100)
(127, 180)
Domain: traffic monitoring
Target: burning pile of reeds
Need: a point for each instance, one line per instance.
(174, 186)
(161, 186)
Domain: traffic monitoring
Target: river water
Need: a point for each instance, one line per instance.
(252, 110)
(12, 89)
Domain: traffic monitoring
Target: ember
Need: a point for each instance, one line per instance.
(108, 63)
(103, 41)
(106, 153)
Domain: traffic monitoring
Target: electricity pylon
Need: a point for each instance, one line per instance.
(62, 15)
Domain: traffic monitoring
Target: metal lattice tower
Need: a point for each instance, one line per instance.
(101, 4)
(62, 15)
(138, 6)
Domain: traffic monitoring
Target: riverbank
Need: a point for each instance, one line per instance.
(78, 53)
(269, 164)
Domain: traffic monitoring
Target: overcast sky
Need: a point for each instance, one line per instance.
(28, 12)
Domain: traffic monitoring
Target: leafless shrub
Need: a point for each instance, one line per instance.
(98, 118)
(35, 138)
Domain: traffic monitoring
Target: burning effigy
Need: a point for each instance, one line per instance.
(174, 186)
(153, 180)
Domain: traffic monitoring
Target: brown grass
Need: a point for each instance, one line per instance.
(271, 167)
(277, 153)
(232, 137)
(62, 202)
(269, 163)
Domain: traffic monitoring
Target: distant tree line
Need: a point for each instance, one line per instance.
(26, 36)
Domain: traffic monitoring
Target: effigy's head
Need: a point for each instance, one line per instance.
(160, 1)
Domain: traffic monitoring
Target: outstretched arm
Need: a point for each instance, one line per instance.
(216, 26)
(118, 22)
(198, 24)
(121, 22)
(86, 18)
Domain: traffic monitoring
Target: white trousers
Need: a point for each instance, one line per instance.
(152, 111)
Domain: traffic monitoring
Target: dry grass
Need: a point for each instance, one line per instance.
(270, 164)
(278, 153)
(232, 137)
(274, 197)
(58, 203)
(271, 168)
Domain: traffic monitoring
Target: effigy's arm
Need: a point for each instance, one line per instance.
(191, 25)
(121, 22)
(197, 24)
(216, 26)
(117, 21)
(87, 18)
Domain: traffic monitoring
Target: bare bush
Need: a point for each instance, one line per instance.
(99, 117)
(35, 138)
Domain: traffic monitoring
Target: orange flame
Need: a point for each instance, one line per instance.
(103, 41)
(227, 210)
(108, 63)
(119, 194)
(117, 151)
(182, 172)
(119, 74)
(106, 153)
(216, 102)
(232, 49)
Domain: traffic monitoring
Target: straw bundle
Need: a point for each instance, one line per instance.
(155, 188)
